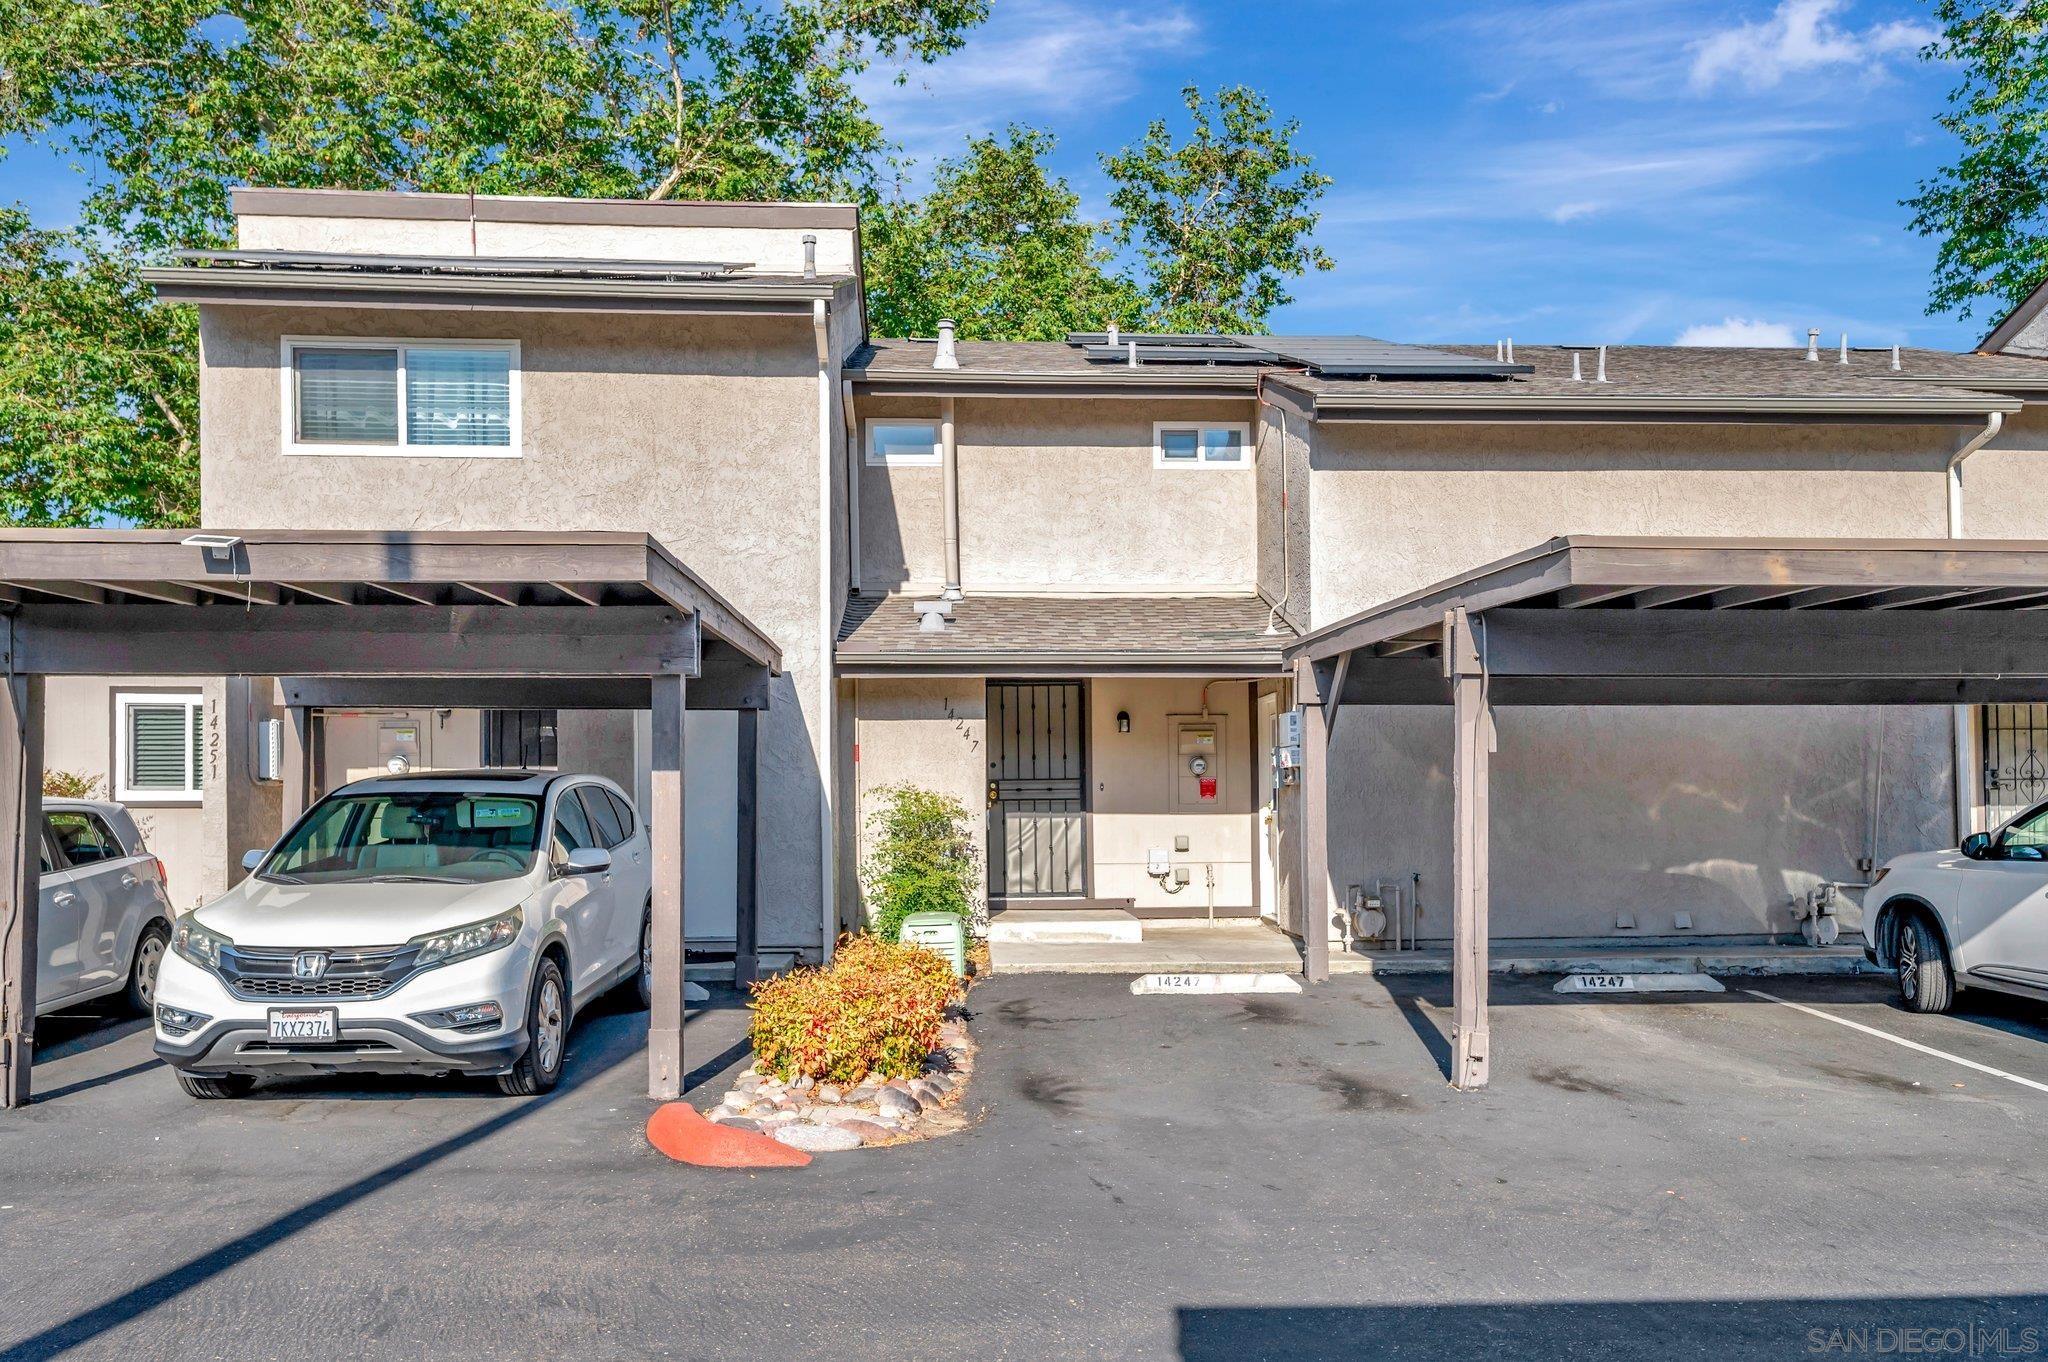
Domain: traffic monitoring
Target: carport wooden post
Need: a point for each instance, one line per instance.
(665, 832)
(296, 767)
(1472, 741)
(21, 834)
(746, 961)
(1315, 824)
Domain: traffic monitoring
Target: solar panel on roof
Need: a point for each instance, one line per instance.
(493, 266)
(1326, 356)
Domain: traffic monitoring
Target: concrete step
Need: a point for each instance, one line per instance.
(1064, 926)
(1762, 961)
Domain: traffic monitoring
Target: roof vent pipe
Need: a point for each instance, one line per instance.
(1511, 349)
(1813, 344)
(1896, 366)
(1601, 373)
(1577, 377)
(810, 256)
(1133, 360)
(947, 357)
(1499, 354)
(1845, 349)
(1112, 335)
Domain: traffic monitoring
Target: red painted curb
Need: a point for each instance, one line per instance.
(679, 1132)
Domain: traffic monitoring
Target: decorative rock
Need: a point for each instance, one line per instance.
(826, 1093)
(925, 1093)
(817, 1139)
(749, 1082)
(899, 1084)
(894, 1102)
(735, 1122)
(803, 1083)
(864, 1093)
(870, 1132)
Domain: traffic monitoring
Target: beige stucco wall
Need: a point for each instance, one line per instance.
(1722, 813)
(1132, 806)
(2002, 481)
(931, 733)
(701, 430)
(1061, 495)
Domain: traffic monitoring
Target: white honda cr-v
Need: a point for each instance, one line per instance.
(438, 923)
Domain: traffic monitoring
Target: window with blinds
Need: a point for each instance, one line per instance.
(159, 747)
(392, 397)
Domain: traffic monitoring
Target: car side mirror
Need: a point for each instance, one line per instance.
(588, 861)
(1977, 846)
(253, 858)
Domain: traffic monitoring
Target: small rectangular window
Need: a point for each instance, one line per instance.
(391, 397)
(159, 742)
(903, 442)
(1197, 445)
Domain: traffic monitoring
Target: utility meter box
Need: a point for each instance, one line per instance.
(1198, 765)
(941, 932)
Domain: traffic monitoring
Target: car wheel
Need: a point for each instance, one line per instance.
(149, 958)
(547, 1035)
(643, 985)
(1925, 983)
(213, 1087)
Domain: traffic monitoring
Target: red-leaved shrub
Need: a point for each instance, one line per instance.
(875, 1009)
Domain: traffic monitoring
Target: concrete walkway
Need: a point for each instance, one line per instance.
(1232, 944)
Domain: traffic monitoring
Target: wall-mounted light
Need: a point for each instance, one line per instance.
(1123, 721)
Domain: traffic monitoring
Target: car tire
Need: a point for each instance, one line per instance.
(214, 1087)
(149, 958)
(643, 982)
(547, 1035)
(1925, 982)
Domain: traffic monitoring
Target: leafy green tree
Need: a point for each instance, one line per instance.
(998, 245)
(921, 859)
(1221, 220)
(1989, 206)
(98, 389)
(172, 102)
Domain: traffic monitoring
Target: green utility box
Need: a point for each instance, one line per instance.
(941, 932)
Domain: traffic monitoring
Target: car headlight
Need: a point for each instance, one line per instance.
(459, 943)
(197, 944)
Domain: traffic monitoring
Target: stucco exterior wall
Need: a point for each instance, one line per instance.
(701, 430)
(2002, 481)
(1133, 776)
(1722, 813)
(1061, 496)
(931, 733)
(78, 737)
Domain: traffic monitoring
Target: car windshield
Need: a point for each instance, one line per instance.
(410, 836)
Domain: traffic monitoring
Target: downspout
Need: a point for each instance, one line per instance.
(949, 458)
(1965, 763)
(828, 629)
(853, 467)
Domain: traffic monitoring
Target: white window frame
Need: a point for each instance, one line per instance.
(125, 700)
(1202, 460)
(875, 459)
(289, 396)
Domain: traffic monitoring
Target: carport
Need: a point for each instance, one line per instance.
(564, 620)
(1657, 621)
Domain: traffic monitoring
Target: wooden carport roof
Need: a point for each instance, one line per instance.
(530, 618)
(1604, 621)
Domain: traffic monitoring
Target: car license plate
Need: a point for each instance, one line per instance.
(304, 1025)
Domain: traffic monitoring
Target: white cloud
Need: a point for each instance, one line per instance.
(1035, 61)
(1737, 331)
(1572, 212)
(1801, 37)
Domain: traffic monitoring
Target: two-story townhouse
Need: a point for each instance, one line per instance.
(1058, 579)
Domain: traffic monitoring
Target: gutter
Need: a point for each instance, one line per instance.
(828, 631)
(190, 284)
(1962, 736)
(1418, 406)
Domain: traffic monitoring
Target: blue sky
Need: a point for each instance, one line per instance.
(1584, 171)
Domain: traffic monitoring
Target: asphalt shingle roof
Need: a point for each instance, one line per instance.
(1076, 627)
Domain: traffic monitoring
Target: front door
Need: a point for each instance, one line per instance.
(1037, 789)
(1266, 834)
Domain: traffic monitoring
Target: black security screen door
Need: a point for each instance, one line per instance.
(1037, 789)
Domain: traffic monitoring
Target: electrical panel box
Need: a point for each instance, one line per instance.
(398, 744)
(1198, 765)
(1287, 728)
(270, 749)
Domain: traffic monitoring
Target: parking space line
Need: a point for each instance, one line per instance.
(1899, 1040)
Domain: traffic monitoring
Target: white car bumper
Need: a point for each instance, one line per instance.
(390, 1032)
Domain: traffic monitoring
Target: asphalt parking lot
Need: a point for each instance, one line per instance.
(1206, 1178)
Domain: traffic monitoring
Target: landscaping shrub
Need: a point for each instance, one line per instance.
(73, 785)
(922, 860)
(875, 1009)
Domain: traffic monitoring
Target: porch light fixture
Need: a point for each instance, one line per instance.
(1123, 721)
(216, 545)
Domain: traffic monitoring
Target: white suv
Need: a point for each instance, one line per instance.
(438, 923)
(1975, 916)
